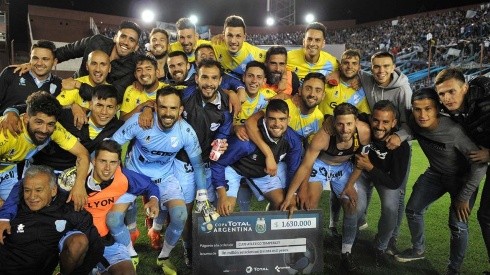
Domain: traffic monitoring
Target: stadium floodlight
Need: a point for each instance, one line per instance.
(270, 21)
(193, 19)
(148, 16)
(309, 18)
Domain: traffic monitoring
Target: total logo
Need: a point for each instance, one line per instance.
(226, 227)
(250, 269)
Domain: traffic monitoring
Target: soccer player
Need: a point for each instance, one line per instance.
(98, 67)
(305, 118)
(46, 229)
(120, 49)
(278, 77)
(344, 92)
(153, 154)
(188, 38)
(159, 46)
(179, 69)
(234, 52)
(15, 88)
(256, 96)
(447, 148)
(467, 103)
(328, 158)
(384, 169)
(142, 94)
(311, 58)
(102, 123)
(243, 159)
(40, 126)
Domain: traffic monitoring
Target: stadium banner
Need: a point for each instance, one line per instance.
(262, 242)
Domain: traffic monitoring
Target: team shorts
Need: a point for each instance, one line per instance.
(8, 179)
(61, 243)
(334, 175)
(259, 186)
(185, 173)
(114, 254)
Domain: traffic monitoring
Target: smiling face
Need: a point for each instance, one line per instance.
(254, 79)
(146, 74)
(312, 92)
(188, 40)
(451, 93)
(204, 53)
(382, 122)
(234, 38)
(276, 123)
(158, 45)
(37, 191)
(40, 127)
(345, 126)
(178, 67)
(98, 67)
(126, 42)
(382, 68)
(102, 111)
(208, 80)
(169, 109)
(425, 113)
(105, 165)
(313, 43)
(349, 67)
(42, 62)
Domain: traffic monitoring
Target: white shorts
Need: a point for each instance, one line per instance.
(336, 175)
(8, 179)
(114, 254)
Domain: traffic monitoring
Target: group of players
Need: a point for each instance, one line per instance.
(213, 122)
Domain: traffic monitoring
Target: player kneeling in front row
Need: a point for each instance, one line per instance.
(243, 159)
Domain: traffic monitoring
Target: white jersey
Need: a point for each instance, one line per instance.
(155, 149)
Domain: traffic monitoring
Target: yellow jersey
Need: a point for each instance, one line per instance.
(235, 64)
(304, 125)
(68, 97)
(253, 105)
(326, 64)
(134, 97)
(334, 95)
(16, 149)
(176, 46)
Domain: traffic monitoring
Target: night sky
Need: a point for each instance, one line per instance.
(213, 12)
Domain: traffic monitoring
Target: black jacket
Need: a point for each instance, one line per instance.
(32, 246)
(122, 69)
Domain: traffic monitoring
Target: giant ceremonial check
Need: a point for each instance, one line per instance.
(259, 243)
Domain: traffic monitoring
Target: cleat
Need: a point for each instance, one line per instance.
(155, 239)
(135, 260)
(167, 267)
(382, 258)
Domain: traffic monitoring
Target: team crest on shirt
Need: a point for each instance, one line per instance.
(22, 81)
(281, 157)
(60, 225)
(20, 228)
(174, 141)
(214, 126)
(147, 139)
(52, 88)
